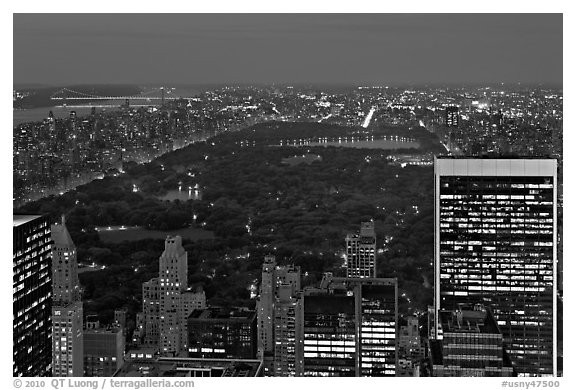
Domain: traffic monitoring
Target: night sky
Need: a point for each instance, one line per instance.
(377, 49)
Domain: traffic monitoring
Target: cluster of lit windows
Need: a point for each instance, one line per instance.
(32, 298)
(496, 239)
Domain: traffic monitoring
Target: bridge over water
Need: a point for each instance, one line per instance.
(65, 95)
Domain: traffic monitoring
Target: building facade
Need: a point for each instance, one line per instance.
(271, 308)
(265, 307)
(151, 311)
(32, 296)
(471, 345)
(350, 327)
(189, 301)
(103, 350)
(361, 252)
(495, 243)
(218, 333)
(167, 302)
(288, 330)
(410, 349)
(451, 116)
(173, 281)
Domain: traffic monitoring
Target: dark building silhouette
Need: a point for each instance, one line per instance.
(218, 333)
(32, 297)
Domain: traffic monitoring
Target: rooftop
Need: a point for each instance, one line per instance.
(103, 330)
(22, 219)
(61, 236)
(189, 367)
(218, 314)
(469, 319)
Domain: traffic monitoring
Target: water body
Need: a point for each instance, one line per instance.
(183, 195)
(84, 109)
(39, 114)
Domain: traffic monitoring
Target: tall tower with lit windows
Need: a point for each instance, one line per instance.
(361, 252)
(32, 296)
(496, 244)
(173, 282)
(67, 334)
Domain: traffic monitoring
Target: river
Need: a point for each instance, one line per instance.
(39, 114)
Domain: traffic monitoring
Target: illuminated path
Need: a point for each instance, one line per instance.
(368, 118)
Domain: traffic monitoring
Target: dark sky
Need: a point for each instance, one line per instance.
(323, 48)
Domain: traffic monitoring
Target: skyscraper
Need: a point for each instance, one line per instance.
(350, 327)
(495, 243)
(451, 116)
(270, 308)
(67, 335)
(265, 307)
(32, 296)
(173, 281)
(288, 334)
(151, 311)
(167, 302)
(361, 252)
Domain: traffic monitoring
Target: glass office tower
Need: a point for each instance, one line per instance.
(32, 296)
(495, 243)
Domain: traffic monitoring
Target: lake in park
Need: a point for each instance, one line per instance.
(182, 195)
(386, 143)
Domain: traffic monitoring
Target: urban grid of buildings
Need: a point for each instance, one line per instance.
(495, 265)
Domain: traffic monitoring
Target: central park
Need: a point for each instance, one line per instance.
(274, 188)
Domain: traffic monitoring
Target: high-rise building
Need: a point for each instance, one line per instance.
(495, 243)
(173, 281)
(451, 116)
(167, 302)
(288, 335)
(151, 311)
(32, 296)
(361, 252)
(274, 278)
(471, 345)
(265, 307)
(350, 327)
(67, 313)
(218, 333)
(103, 350)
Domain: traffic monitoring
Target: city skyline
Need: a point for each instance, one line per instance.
(288, 195)
(288, 48)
